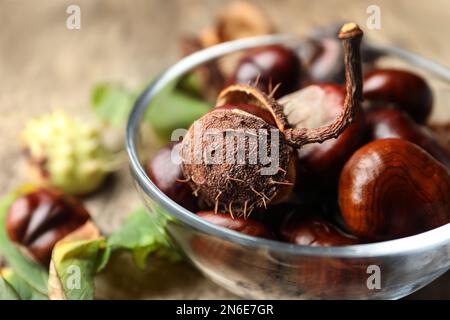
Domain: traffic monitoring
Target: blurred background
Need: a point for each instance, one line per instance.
(44, 66)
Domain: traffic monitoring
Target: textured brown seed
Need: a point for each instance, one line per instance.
(167, 176)
(39, 219)
(315, 106)
(384, 123)
(246, 226)
(405, 89)
(392, 188)
(267, 67)
(313, 231)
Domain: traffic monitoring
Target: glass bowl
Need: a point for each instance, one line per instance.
(264, 269)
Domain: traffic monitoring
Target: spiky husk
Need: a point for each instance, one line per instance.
(234, 188)
(65, 153)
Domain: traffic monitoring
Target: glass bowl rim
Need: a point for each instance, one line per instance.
(424, 241)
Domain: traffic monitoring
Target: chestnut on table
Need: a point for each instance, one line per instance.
(39, 219)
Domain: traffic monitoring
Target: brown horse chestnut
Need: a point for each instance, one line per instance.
(322, 60)
(267, 67)
(405, 89)
(39, 219)
(229, 257)
(321, 54)
(167, 176)
(313, 231)
(392, 188)
(394, 123)
(246, 226)
(314, 106)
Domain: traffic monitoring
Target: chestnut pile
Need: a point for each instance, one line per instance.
(357, 163)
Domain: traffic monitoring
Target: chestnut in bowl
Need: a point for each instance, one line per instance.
(167, 176)
(392, 188)
(322, 59)
(246, 226)
(385, 123)
(313, 231)
(268, 67)
(405, 89)
(317, 105)
(260, 268)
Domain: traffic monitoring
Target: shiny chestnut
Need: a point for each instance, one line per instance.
(322, 60)
(317, 105)
(384, 123)
(392, 188)
(267, 67)
(246, 226)
(405, 89)
(313, 231)
(167, 175)
(39, 219)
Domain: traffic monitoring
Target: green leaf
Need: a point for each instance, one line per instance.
(75, 261)
(173, 109)
(6, 291)
(143, 235)
(190, 84)
(31, 272)
(112, 103)
(104, 258)
(21, 287)
(73, 268)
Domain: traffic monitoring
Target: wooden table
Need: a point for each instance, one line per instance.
(45, 66)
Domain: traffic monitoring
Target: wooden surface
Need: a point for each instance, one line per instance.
(44, 65)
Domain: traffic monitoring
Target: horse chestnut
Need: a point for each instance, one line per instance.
(313, 231)
(315, 106)
(324, 64)
(267, 67)
(167, 176)
(39, 219)
(392, 188)
(246, 226)
(394, 123)
(405, 89)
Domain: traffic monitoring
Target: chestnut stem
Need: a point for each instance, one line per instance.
(351, 36)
